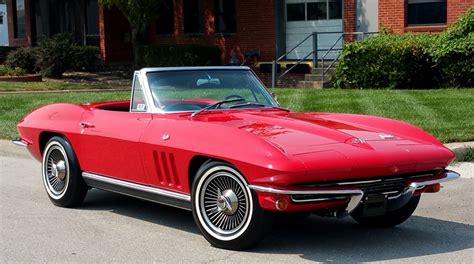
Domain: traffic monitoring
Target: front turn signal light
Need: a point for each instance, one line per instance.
(281, 204)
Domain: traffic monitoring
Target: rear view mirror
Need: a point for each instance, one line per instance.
(214, 81)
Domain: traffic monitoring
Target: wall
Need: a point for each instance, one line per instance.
(255, 29)
(392, 15)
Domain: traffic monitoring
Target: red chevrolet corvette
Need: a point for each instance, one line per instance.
(213, 140)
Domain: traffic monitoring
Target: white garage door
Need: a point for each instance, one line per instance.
(304, 17)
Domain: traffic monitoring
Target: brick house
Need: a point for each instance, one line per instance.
(272, 27)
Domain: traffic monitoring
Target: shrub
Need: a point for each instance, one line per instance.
(24, 58)
(387, 60)
(453, 52)
(85, 58)
(164, 55)
(8, 71)
(55, 55)
(4, 53)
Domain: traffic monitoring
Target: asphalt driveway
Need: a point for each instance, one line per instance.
(110, 227)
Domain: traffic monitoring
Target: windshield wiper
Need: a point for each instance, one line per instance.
(215, 105)
(248, 104)
(259, 104)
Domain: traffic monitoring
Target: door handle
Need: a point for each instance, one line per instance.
(86, 125)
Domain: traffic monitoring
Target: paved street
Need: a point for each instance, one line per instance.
(111, 227)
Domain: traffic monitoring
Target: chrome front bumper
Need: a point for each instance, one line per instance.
(20, 142)
(354, 195)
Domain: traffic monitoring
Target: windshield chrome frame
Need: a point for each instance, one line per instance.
(152, 108)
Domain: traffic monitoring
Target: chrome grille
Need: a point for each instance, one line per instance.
(389, 185)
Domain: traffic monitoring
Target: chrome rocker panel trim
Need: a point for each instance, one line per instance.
(20, 142)
(148, 193)
(355, 195)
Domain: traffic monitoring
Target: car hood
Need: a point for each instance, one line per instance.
(296, 133)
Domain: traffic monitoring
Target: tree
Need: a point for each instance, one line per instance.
(139, 13)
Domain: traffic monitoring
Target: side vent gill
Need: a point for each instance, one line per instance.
(166, 171)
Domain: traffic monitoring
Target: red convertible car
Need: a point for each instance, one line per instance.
(213, 140)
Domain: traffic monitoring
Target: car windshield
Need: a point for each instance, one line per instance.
(193, 90)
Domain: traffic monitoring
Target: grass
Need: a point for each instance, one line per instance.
(469, 157)
(445, 113)
(49, 84)
(13, 107)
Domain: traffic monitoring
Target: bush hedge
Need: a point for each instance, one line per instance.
(411, 60)
(23, 58)
(55, 55)
(161, 55)
(387, 60)
(4, 51)
(453, 52)
(86, 58)
(9, 71)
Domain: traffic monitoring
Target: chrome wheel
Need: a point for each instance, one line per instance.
(224, 203)
(55, 170)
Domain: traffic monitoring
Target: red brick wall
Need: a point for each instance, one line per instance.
(255, 29)
(349, 15)
(392, 15)
(457, 8)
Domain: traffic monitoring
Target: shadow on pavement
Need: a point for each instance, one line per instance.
(315, 238)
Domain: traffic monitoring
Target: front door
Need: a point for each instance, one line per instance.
(110, 144)
(303, 17)
(110, 141)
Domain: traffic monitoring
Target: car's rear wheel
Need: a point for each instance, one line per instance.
(61, 174)
(225, 209)
(389, 219)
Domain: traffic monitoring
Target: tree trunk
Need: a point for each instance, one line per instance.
(138, 40)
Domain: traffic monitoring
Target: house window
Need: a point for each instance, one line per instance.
(317, 10)
(92, 35)
(225, 16)
(193, 17)
(19, 21)
(426, 12)
(165, 21)
(314, 10)
(295, 12)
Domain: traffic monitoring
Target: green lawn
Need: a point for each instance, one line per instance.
(50, 84)
(448, 114)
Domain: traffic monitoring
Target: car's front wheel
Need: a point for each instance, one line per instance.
(389, 219)
(226, 211)
(61, 174)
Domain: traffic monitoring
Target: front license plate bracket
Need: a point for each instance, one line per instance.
(374, 205)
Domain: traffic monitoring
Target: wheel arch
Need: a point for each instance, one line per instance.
(45, 136)
(197, 162)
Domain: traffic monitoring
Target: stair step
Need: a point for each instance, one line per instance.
(317, 77)
(313, 84)
(329, 71)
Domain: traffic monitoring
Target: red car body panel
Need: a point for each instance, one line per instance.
(270, 147)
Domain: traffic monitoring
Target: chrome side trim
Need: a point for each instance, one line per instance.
(354, 195)
(137, 190)
(20, 142)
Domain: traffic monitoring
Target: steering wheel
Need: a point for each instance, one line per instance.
(234, 96)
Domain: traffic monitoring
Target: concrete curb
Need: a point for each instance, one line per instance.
(460, 149)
